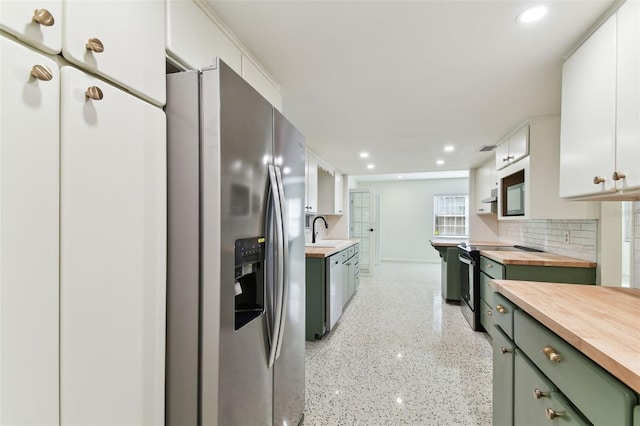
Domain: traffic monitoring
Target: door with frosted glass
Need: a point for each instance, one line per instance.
(361, 225)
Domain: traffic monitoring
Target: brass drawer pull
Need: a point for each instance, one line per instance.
(551, 354)
(598, 179)
(618, 175)
(94, 93)
(504, 350)
(43, 17)
(501, 309)
(489, 313)
(552, 414)
(95, 45)
(41, 72)
(537, 394)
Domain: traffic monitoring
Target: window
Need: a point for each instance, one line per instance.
(451, 215)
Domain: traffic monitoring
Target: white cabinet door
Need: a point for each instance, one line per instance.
(112, 256)
(628, 95)
(29, 172)
(311, 171)
(339, 194)
(502, 155)
(587, 146)
(38, 23)
(482, 188)
(519, 144)
(132, 34)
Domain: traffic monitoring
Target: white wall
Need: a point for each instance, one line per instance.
(406, 216)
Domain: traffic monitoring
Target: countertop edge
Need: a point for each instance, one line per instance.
(324, 252)
(629, 377)
(555, 260)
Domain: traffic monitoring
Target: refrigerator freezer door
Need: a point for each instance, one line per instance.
(289, 155)
(237, 124)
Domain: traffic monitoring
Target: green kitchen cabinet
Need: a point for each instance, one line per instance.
(450, 273)
(490, 269)
(317, 279)
(503, 350)
(539, 378)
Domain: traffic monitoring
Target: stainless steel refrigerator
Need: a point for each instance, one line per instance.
(236, 267)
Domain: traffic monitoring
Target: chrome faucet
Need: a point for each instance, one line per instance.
(313, 228)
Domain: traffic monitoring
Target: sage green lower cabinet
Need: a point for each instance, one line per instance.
(551, 381)
(316, 302)
(503, 349)
(536, 401)
(490, 269)
(450, 273)
(317, 276)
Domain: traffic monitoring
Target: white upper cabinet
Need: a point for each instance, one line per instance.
(38, 23)
(486, 181)
(628, 96)
(123, 41)
(339, 194)
(29, 206)
(514, 148)
(600, 149)
(112, 255)
(587, 150)
(311, 174)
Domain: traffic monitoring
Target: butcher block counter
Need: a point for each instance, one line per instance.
(600, 322)
(322, 251)
(535, 259)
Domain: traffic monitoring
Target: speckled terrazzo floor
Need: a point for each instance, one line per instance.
(399, 355)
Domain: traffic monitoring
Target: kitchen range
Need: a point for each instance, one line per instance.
(469, 255)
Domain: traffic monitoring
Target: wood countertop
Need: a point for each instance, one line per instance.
(535, 258)
(321, 252)
(601, 322)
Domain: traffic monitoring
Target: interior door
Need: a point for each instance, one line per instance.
(362, 225)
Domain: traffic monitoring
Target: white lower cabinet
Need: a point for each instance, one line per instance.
(112, 256)
(29, 171)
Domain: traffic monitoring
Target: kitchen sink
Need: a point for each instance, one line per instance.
(326, 243)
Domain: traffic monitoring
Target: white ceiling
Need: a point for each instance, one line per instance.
(402, 79)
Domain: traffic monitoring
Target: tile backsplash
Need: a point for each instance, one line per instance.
(549, 235)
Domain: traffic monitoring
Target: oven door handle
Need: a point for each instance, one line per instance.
(465, 260)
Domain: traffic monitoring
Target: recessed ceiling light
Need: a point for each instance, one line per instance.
(364, 154)
(532, 14)
(448, 148)
(370, 166)
(440, 162)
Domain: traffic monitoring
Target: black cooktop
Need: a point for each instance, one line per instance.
(498, 248)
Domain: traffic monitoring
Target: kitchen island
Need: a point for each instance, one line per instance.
(557, 343)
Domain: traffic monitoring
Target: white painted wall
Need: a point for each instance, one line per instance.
(406, 216)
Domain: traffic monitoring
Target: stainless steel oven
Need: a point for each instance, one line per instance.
(469, 256)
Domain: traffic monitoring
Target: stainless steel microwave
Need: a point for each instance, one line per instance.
(514, 200)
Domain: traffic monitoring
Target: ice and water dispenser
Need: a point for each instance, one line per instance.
(249, 279)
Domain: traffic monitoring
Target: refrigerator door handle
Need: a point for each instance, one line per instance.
(283, 264)
(277, 208)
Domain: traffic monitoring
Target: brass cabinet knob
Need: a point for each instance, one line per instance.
(537, 394)
(504, 350)
(598, 179)
(94, 93)
(489, 266)
(95, 45)
(552, 414)
(489, 313)
(551, 354)
(41, 72)
(618, 175)
(43, 17)
(501, 309)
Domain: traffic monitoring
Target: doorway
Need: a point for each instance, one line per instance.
(362, 220)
